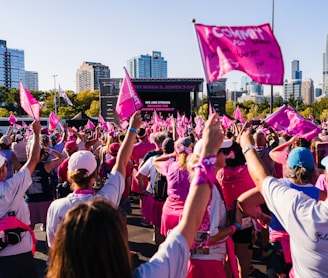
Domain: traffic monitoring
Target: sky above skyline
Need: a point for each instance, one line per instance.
(57, 37)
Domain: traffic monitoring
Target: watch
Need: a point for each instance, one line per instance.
(247, 148)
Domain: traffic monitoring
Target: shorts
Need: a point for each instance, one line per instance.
(244, 236)
(38, 212)
(20, 265)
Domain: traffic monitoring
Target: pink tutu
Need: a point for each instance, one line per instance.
(171, 215)
(152, 212)
(206, 268)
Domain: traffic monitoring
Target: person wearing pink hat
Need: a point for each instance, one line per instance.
(82, 174)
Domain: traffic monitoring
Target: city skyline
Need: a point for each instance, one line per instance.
(56, 39)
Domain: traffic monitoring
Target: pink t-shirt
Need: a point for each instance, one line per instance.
(177, 180)
(234, 181)
(321, 182)
(140, 149)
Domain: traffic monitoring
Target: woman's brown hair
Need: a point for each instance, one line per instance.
(90, 242)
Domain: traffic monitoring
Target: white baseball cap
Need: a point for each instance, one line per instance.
(324, 162)
(227, 143)
(82, 160)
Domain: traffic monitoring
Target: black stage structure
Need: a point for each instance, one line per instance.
(167, 96)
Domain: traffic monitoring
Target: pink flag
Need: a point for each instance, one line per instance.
(30, 105)
(311, 118)
(250, 49)
(124, 124)
(24, 124)
(53, 120)
(157, 118)
(64, 96)
(226, 121)
(12, 119)
(90, 125)
(288, 120)
(128, 100)
(238, 115)
(199, 125)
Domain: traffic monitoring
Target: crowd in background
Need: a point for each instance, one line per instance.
(75, 169)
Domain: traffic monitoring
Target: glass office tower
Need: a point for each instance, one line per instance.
(12, 67)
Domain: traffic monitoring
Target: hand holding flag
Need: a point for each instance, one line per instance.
(30, 105)
(128, 100)
(12, 119)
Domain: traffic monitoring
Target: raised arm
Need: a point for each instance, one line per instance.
(126, 148)
(199, 194)
(34, 151)
(255, 167)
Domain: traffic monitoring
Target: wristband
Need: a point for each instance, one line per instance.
(233, 228)
(205, 171)
(133, 129)
(237, 225)
(247, 148)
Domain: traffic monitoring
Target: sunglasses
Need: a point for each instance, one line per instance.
(224, 151)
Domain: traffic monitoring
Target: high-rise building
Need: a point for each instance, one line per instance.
(88, 75)
(307, 91)
(148, 66)
(296, 73)
(32, 80)
(292, 89)
(12, 66)
(317, 90)
(325, 70)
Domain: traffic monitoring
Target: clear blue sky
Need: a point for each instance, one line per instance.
(57, 36)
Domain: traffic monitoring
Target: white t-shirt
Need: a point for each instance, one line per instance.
(171, 259)
(306, 221)
(148, 168)
(218, 218)
(112, 191)
(12, 193)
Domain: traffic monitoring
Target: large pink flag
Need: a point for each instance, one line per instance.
(30, 105)
(53, 120)
(238, 115)
(128, 100)
(250, 49)
(12, 119)
(288, 120)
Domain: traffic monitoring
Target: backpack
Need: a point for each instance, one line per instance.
(160, 187)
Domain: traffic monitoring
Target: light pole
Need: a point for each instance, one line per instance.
(271, 93)
(234, 95)
(55, 97)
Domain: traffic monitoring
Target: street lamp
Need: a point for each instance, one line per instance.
(234, 95)
(55, 95)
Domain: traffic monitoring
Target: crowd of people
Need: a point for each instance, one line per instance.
(208, 194)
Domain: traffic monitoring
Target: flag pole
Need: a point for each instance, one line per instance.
(55, 97)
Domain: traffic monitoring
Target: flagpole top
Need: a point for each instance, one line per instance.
(193, 20)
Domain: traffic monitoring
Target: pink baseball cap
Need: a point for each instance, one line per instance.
(82, 160)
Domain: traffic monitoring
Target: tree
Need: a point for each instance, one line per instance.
(94, 109)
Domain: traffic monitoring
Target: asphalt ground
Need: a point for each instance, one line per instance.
(140, 242)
